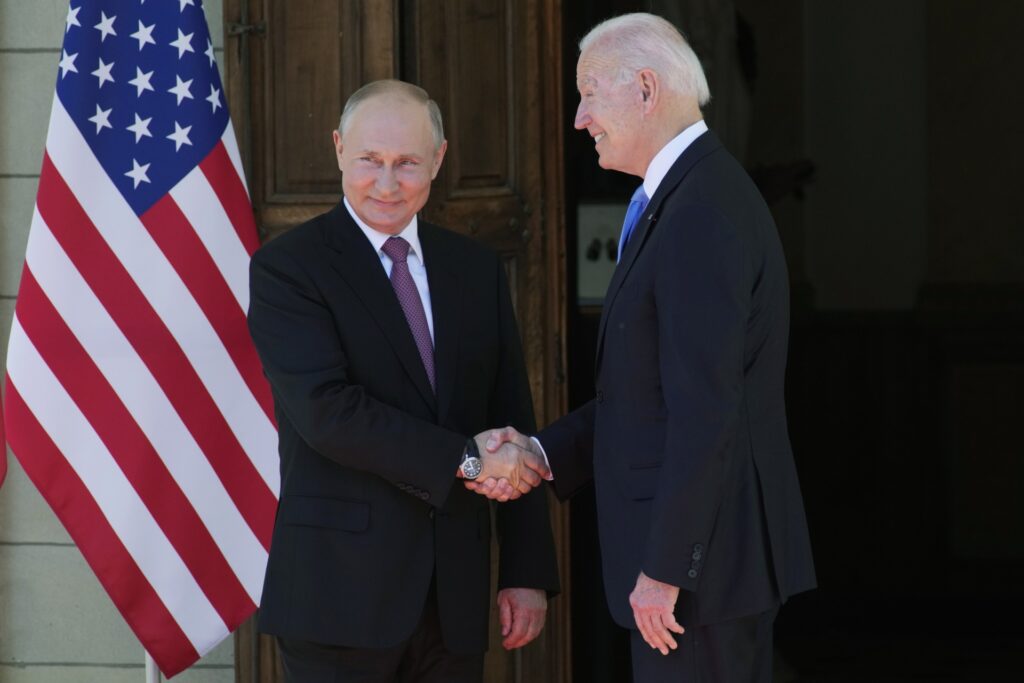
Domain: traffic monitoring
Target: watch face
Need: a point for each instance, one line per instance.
(471, 468)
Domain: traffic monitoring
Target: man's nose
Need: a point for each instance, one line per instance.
(582, 117)
(386, 180)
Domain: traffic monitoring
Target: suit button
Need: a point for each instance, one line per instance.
(424, 495)
(697, 547)
(696, 555)
(692, 573)
(600, 396)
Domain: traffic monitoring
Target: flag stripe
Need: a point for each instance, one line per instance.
(150, 408)
(224, 180)
(101, 547)
(173, 233)
(134, 454)
(146, 332)
(118, 502)
(195, 197)
(163, 291)
(231, 145)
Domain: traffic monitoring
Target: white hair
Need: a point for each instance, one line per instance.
(390, 86)
(646, 41)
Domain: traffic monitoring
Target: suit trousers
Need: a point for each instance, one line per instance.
(423, 658)
(735, 651)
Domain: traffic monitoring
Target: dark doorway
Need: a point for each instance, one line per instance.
(883, 137)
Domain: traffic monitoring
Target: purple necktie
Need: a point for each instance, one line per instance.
(397, 250)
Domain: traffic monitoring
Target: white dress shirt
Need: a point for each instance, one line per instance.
(417, 267)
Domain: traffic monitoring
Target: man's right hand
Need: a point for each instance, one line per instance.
(512, 465)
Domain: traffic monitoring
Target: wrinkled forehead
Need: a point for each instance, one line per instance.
(595, 66)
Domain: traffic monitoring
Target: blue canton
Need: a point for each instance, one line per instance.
(140, 82)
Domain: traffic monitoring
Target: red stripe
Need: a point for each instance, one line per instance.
(127, 586)
(157, 348)
(187, 254)
(227, 185)
(134, 453)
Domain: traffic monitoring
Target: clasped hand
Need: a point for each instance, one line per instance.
(511, 465)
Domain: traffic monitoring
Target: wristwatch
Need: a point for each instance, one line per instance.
(471, 463)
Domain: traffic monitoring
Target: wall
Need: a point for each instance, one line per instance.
(57, 625)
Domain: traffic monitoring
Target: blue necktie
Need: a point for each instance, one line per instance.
(636, 208)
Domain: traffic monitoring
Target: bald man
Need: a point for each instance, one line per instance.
(389, 342)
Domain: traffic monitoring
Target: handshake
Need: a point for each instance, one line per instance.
(511, 464)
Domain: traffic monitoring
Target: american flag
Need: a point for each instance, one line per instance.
(135, 400)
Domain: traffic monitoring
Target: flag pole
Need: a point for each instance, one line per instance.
(152, 672)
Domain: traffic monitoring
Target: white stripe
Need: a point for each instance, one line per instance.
(166, 293)
(231, 145)
(120, 504)
(142, 396)
(195, 197)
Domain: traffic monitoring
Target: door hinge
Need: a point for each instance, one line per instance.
(235, 28)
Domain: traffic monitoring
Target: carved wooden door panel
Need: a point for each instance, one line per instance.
(494, 67)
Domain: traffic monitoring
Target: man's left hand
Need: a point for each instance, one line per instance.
(653, 604)
(521, 612)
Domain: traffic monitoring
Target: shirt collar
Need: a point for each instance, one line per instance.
(409, 233)
(664, 159)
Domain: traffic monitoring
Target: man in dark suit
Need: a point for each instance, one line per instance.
(387, 342)
(700, 516)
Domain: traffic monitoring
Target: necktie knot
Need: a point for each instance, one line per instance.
(397, 249)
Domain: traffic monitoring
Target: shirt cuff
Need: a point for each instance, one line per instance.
(536, 441)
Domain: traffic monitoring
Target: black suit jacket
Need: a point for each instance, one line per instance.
(686, 440)
(370, 508)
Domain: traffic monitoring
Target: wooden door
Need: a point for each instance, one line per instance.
(494, 67)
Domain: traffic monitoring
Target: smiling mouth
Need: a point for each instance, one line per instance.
(599, 137)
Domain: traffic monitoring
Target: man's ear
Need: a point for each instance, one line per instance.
(438, 158)
(336, 136)
(650, 89)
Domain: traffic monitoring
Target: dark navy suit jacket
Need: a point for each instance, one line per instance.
(686, 439)
(370, 508)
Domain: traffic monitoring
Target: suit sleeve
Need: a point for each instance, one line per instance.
(569, 445)
(304, 360)
(702, 293)
(527, 558)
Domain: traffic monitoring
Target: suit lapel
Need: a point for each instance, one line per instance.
(698, 149)
(443, 277)
(359, 265)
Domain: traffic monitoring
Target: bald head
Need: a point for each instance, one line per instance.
(396, 91)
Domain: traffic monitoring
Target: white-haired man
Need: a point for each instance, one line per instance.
(700, 515)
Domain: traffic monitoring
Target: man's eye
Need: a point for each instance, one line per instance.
(409, 162)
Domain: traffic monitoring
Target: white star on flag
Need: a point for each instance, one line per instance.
(214, 98)
(102, 72)
(67, 63)
(183, 43)
(180, 136)
(101, 118)
(144, 35)
(140, 128)
(181, 8)
(182, 89)
(141, 81)
(138, 173)
(106, 26)
(209, 51)
(72, 19)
